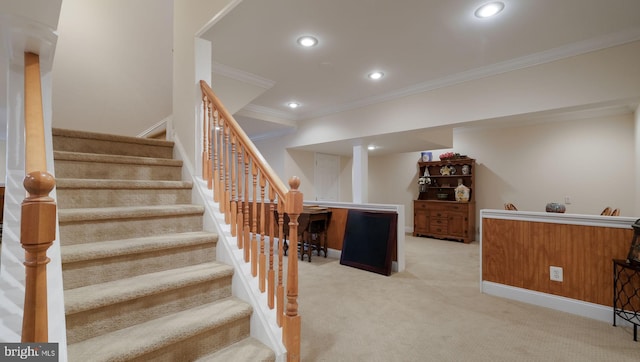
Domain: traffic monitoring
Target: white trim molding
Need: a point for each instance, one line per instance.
(621, 222)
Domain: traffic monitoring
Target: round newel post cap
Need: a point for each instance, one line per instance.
(294, 182)
(39, 183)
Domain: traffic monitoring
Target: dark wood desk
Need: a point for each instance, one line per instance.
(313, 223)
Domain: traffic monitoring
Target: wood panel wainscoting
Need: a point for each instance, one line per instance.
(518, 248)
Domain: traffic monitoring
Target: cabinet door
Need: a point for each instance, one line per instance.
(421, 221)
(457, 223)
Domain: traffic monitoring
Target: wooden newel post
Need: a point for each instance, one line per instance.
(291, 325)
(37, 232)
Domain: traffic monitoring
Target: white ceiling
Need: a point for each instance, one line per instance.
(418, 44)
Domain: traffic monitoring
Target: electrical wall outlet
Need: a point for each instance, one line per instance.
(567, 200)
(555, 273)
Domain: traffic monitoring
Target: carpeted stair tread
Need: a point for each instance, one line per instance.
(70, 183)
(89, 142)
(119, 159)
(109, 137)
(107, 249)
(134, 212)
(144, 338)
(142, 277)
(100, 295)
(247, 350)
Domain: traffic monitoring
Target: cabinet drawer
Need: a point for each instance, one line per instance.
(438, 229)
(438, 225)
(438, 213)
(457, 207)
(420, 206)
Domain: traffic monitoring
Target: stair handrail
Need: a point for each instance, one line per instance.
(38, 210)
(226, 152)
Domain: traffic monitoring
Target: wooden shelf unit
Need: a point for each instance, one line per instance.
(436, 213)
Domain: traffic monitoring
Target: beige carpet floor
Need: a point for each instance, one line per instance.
(434, 311)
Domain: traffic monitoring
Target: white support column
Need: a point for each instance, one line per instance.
(360, 173)
(203, 71)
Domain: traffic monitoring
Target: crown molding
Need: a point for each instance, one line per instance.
(574, 49)
(242, 76)
(269, 112)
(269, 135)
(573, 114)
(547, 56)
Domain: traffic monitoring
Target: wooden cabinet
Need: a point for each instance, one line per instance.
(436, 212)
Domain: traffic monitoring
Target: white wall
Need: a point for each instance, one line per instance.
(393, 180)
(301, 164)
(190, 18)
(234, 94)
(591, 160)
(113, 66)
(288, 163)
(346, 176)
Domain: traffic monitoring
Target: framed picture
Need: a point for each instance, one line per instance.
(426, 156)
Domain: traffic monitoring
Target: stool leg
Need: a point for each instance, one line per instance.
(324, 243)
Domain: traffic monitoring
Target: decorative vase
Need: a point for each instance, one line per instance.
(462, 192)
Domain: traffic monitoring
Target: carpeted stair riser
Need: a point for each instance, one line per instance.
(140, 277)
(198, 345)
(104, 193)
(246, 350)
(87, 142)
(82, 263)
(115, 225)
(94, 166)
(181, 336)
(128, 310)
(101, 270)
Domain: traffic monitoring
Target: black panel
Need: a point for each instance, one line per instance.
(369, 239)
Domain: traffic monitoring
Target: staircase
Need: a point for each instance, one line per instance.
(140, 275)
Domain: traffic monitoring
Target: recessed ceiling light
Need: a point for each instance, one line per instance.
(293, 105)
(489, 9)
(371, 147)
(307, 41)
(375, 75)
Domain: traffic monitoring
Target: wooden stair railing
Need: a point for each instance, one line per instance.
(38, 220)
(248, 192)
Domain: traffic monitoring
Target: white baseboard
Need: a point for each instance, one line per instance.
(563, 304)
